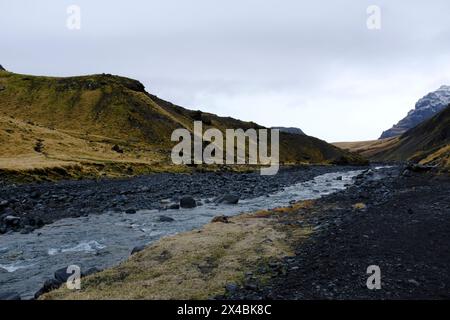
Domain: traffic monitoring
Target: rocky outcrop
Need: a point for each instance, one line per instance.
(425, 108)
(292, 130)
(1, 68)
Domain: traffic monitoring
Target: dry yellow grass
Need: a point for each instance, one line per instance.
(368, 148)
(72, 151)
(440, 157)
(192, 265)
(359, 206)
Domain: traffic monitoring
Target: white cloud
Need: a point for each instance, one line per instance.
(311, 64)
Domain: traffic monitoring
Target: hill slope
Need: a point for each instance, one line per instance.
(425, 108)
(107, 123)
(427, 143)
(368, 149)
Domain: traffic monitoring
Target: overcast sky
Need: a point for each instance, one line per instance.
(309, 64)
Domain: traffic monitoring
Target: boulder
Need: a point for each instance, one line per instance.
(231, 287)
(49, 285)
(61, 275)
(187, 202)
(4, 203)
(35, 195)
(11, 220)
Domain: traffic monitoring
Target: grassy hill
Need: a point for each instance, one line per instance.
(368, 149)
(427, 143)
(109, 125)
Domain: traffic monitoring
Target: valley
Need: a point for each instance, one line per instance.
(87, 178)
(109, 126)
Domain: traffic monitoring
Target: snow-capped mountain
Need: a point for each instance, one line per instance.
(425, 108)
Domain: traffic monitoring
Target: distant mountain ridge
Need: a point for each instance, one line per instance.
(292, 130)
(425, 108)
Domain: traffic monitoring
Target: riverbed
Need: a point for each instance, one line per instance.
(104, 240)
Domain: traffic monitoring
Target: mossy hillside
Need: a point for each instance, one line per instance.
(113, 110)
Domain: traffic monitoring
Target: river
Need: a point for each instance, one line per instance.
(104, 240)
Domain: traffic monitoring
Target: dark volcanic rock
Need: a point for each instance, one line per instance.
(49, 285)
(187, 202)
(11, 220)
(174, 206)
(56, 200)
(61, 275)
(403, 230)
(137, 249)
(4, 204)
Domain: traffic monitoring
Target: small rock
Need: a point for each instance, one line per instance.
(231, 287)
(174, 206)
(117, 149)
(11, 220)
(137, 249)
(35, 195)
(26, 230)
(223, 219)
(415, 282)
(130, 211)
(4, 204)
(251, 286)
(187, 202)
